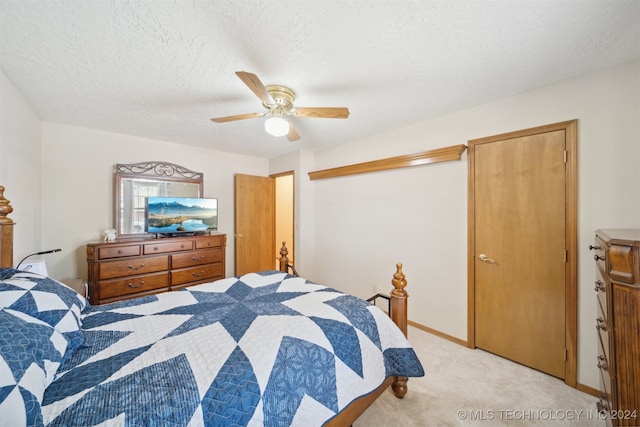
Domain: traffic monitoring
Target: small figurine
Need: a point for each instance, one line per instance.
(110, 235)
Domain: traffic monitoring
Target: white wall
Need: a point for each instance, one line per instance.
(77, 186)
(20, 132)
(365, 223)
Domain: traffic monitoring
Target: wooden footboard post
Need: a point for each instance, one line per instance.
(399, 316)
(6, 232)
(284, 259)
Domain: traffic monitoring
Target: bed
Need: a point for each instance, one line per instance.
(266, 348)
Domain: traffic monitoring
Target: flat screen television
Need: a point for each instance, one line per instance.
(180, 215)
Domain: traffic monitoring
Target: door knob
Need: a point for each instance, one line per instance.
(240, 236)
(485, 258)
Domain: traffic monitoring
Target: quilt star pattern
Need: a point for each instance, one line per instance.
(260, 349)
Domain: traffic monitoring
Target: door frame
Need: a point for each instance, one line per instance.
(571, 237)
(291, 246)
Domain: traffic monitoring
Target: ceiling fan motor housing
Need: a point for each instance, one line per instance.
(283, 97)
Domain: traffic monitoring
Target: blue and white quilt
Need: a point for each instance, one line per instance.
(260, 349)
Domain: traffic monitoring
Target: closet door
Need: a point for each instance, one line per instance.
(519, 249)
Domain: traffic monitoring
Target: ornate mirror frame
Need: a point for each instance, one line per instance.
(136, 181)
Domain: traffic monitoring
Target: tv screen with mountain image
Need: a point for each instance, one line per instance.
(174, 215)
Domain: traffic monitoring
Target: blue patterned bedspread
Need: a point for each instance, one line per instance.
(261, 349)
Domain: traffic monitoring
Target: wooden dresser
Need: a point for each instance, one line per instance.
(617, 257)
(132, 268)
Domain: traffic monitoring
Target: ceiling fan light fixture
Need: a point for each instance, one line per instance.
(276, 126)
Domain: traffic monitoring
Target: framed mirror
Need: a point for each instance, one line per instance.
(137, 181)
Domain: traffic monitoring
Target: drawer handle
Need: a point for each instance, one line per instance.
(591, 248)
(131, 285)
(600, 286)
(131, 267)
(155, 248)
(198, 274)
(181, 246)
(598, 258)
(119, 252)
(602, 405)
(601, 324)
(198, 259)
(602, 364)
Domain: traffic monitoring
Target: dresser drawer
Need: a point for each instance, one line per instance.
(605, 385)
(605, 394)
(196, 258)
(164, 247)
(131, 267)
(196, 274)
(599, 249)
(118, 251)
(601, 288)
(603, 338)
(604, 367)
(132, 285)
(210, 242)
(603, 326)
(621, 263)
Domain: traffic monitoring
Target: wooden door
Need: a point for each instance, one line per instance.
(254, 223)
(520, 247)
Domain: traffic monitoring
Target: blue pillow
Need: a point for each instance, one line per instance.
(31, 352)
(7, 272)
(45, 299)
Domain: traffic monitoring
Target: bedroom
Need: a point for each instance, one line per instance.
(61, 176)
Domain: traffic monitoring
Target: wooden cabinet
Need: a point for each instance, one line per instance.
(132, 268)
(617, 284)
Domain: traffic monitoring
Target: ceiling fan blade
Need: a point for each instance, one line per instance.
(237, 117)
(253, 82)
(323, 112)
(293, 134)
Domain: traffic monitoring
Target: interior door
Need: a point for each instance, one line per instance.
(520, 251)
(254, 223)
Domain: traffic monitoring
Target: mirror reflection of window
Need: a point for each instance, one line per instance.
(144, 189)
(136, 182)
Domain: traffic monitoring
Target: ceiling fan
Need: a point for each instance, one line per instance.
(278, 100)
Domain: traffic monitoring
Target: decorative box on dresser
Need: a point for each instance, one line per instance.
(132, 268)
(617, 256)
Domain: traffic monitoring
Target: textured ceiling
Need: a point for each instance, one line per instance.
(161, 69)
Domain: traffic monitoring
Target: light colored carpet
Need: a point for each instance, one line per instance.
(464, 387)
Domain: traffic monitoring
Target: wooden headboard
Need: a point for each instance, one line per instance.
(6, 232)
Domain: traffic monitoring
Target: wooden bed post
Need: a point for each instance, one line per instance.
(6, 232)
(399, 299)
(399, 316)
(284, 259)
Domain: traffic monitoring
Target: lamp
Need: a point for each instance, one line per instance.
(276, 126)
(39, 266)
